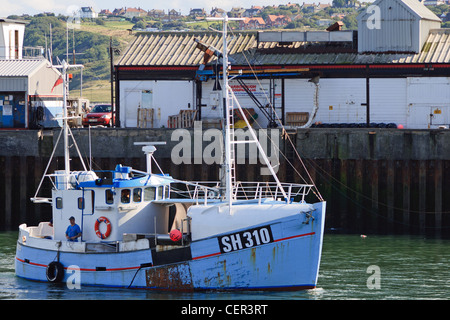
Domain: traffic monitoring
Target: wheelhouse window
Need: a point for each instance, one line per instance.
(81, 203)
(149, 194)
(159, 194)
(109, 196)
(137, 192)
(125, 196)
(166, 192)
(59, 203)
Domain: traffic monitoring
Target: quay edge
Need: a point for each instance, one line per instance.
(380, 181)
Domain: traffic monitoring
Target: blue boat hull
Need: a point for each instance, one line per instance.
(282, 254)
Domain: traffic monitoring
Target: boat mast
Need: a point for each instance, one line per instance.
(228, 97)
(228, 161)
(65, 123)
(65, 129)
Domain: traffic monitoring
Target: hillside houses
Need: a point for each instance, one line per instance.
(253, 11)
(236, 12)
(88, 12)
(252, 17)
(291, 15)
(255, 23)
(156, 13)
(276, 21)
(134, 12)
(196, 12)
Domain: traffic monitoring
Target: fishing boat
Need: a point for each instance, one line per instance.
(137, 231)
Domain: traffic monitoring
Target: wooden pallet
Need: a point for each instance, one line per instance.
(296, 119)
(145, 118)
(185, 119)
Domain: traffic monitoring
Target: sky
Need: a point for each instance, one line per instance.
(32, 7)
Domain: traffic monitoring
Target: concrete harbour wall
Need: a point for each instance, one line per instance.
(376, 181)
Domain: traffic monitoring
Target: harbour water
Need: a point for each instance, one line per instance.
(352, 267)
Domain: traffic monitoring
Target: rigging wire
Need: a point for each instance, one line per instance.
(313, 163)
(328, 177)
(284, 133)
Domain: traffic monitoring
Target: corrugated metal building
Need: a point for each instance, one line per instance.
(395, 26)
(28, 95)
(164, 71)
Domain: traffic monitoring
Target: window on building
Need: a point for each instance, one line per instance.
(16, 44)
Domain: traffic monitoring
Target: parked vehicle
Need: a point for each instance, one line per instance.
(100, 114)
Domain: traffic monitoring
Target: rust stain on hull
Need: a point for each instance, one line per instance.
(170, 277)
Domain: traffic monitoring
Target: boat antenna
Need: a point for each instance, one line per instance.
(65, 123)
(64, 67)
(229, 161)
(149, 148)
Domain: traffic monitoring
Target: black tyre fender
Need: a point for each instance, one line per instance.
(55, 272)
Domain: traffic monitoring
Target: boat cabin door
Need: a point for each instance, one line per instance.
(86, 202)
(67, 203)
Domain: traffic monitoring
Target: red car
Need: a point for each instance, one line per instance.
(101, 114)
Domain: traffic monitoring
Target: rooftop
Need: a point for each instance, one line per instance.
(20, 67)
(179, 49)
(12, 21)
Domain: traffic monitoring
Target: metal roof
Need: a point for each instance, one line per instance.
(20, 67)
(13, 21)
(170, 49)
(435, 50)
(419, 9)
(179, 49)
(414, 7)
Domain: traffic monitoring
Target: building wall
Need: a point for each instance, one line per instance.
(261, 89)
(13, 109)
(9, 49)
(339, 100)
(428, 102)
(40, 94)
(13, 83)
(21, 96)
(165, 97)
(42, 81)
(388, 100)
(425, 27)
(406, 101)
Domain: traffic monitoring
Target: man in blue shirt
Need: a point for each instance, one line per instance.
(73, 231)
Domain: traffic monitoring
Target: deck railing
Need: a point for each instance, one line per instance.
(202, 191)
